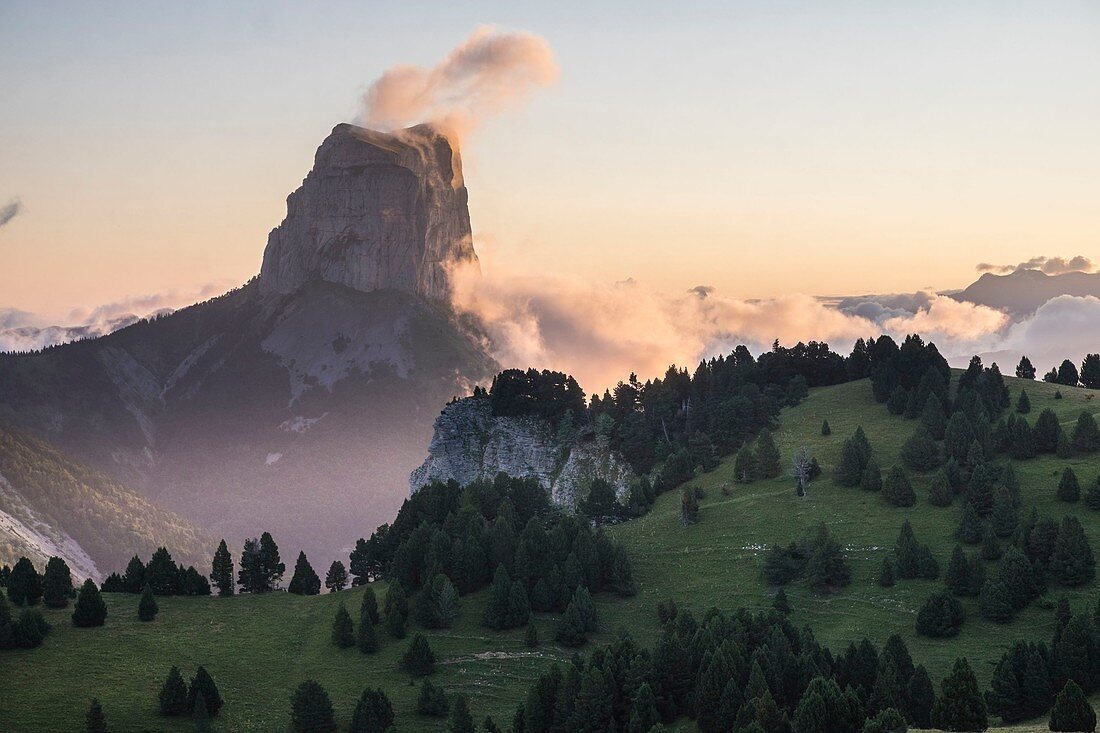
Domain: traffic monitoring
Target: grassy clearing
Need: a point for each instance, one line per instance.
(259, 648)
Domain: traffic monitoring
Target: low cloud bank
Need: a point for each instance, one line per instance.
(25, 331)
(601, 333)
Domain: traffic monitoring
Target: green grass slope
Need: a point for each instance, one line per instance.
(259, 648)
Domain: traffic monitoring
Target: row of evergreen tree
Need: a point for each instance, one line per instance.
(162, 574)
(1066, 373)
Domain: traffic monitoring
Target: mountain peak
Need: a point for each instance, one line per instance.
(379, 210)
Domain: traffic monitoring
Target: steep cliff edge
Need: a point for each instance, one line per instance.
(470, 443)
(377, 211)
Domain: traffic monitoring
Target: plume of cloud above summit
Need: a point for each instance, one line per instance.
(485, 74)
(10, 210)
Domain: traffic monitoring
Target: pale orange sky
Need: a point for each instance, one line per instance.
(759, 151)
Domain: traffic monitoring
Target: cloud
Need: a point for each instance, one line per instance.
(1049, 265)
(487, 73)
(10, 210)
(601, 333)
(24, 331)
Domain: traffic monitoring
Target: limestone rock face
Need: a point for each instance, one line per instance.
(470, 443)
(378, 211)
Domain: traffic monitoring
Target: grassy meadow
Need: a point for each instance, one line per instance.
(259, 648)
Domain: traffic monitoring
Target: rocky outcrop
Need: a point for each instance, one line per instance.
(377, 211)
(470, 443)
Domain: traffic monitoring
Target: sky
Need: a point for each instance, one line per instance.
(762, 149)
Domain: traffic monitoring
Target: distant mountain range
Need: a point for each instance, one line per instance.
(1022, 292)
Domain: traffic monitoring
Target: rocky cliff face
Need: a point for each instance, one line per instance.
(377, 211)
(470, 443)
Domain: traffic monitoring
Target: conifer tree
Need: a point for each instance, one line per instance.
(970, 526)
(311, 709)
(886, 574)
(897, 490)
(366, 635)
(147, 606)
(1018, 576)
(643, 710)
(993, 602)
(202, 685)
(920, 452)
(940, 617)
(200, 715)
(531, 636)
(305, 581)
(853, 459)
(932, 417)
(827, 570)
(1025, 370)
(872, 477)
(825, 429)
(921, 698)
(57, 584)
(431, 701)
(958, 436)
(767, 455)
(744, 465)
(1003, 518)
(461, 721)
(1072, 562)
(1086, 434)
(940, 493)
(337, 577)
(396, 610)
(781, 604)
(1069, 490)
(907, 552)
(960, 706)
(1092, 496)
(991, 548)
(496, 609)
(1046, 432)
(133, 579)
(1072, 711)
(343, 631)
(898, 400)
(418, 660)
(959, 580)
(173, 695)
(24, 584)
(689, 506)
(1023, 405)
(95, 721)
(373, 713)
(162, 573)
(90, 610)
(221, 570)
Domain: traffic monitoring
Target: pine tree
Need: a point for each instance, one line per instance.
(767, 455)
(1086, 434)
(1023, 405)
(991, 548)
(921, 696)
(200, 716)
(90, 610)
(173, 694)
(343, 632)
(337, 577)
(970, 526)
(1072, 563)
(920, 452)
(643, 711)
(1046, 432)
(305, 581)
(1072, 711)
(960, 706)
(827, 570)
(853, 459)
(221, 570)
(311, 709)
(886, 574)
(897, 490)
(57, 583)
(147, 606)
(932, 417)
(396, 610)
(960, 580)
(133, 579)
(939, 493)
(993, 602)
(1069, 490)
(907, 552)
(24, 584)
(1025, 370)
(940, 617)
(431, 701)
(418, 660)
(781, 604)
(496, 609)
(95, 721)
(261, 568)
(744, 465)
(531, 636)
(1003, 518)
(825, 429)
(898, 400)
(366, 637)
(202, 685)
(1018, 576)
(162, 573)
(461, 721)
(373, 713)
(1092, 496)
(872, 477)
